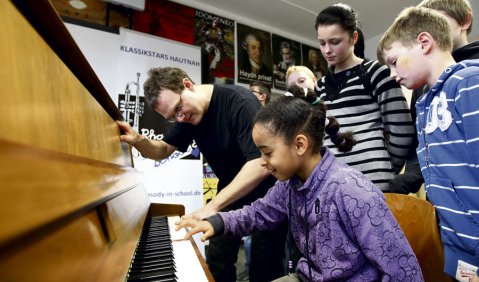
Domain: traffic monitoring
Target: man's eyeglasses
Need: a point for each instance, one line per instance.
(178, 114)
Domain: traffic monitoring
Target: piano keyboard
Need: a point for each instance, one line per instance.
(163, 255)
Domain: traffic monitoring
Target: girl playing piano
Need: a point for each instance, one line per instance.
(339, 220)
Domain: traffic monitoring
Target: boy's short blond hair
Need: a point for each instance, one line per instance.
(410, 23)
(459, 10)
(299, 68)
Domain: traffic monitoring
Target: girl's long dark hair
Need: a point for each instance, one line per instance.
(341, 14)
(345, 141)
(289, 116)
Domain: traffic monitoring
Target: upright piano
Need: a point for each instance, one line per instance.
(72, 207)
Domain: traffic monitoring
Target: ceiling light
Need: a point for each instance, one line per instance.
(77, 4)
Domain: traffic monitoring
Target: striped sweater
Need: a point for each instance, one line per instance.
(448, 153)
(371, 116)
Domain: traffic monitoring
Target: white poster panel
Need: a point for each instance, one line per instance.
(101, 51)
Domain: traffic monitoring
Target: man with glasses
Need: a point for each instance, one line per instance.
(219, 118)
(261, 91)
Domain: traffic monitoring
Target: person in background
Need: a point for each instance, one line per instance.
(364, 99)
(301, 76)
(219, 118)
(459, 14)
(417, 47)
(338, 217)
(261, 91)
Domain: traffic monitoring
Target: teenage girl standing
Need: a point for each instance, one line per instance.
(363, 98)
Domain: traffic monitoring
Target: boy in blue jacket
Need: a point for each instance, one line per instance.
(417, 47)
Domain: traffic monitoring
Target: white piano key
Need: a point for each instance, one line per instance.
(175, 235)
(188, 268)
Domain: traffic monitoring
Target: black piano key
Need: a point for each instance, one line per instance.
(154, 256)
(153, 259)
(154, 248)
(159, 237)
(156, 235)
(152, 273)
(152, 241)
(153, 230)
(160, 274)
(167, 279)
(152, 263)
(137, 265)
(157, 228)
(155, 240)
(156, 279)
(157, 272)
(153, 251)
(143, 244)
(149, 265)
(136, 270)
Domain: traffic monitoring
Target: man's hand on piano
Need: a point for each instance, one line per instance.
(203, 212)
(128, 134)
(196, 226)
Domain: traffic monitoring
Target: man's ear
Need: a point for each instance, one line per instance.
(426, 41)
(263, 96)
(302, 144)
(187, 83)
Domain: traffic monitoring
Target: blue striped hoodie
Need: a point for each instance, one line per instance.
(448, 153)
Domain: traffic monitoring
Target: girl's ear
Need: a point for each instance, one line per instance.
(302, 144)
(355, 37)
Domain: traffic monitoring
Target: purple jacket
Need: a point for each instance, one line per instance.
(350, 232)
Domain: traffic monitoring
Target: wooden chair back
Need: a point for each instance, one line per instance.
(417, 219)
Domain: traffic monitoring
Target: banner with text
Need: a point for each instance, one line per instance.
(138, 53)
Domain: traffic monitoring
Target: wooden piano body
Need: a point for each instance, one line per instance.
(71, 205)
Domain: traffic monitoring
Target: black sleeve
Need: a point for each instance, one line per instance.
(411, 180)
(180, 136)
(242, 123)
(217, 223)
